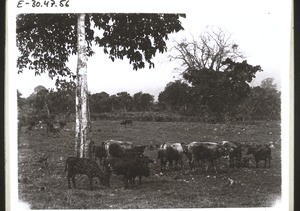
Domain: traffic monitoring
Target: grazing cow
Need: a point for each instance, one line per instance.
(85, 166)
(204, 151)
(127, 122)
(130, 166)
(169, 152)
(261, 152)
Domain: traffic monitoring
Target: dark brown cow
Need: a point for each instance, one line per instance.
(261, 152)
(130, 166)
(85, 166)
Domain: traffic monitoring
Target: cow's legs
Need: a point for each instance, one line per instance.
(73, 180)
(69, 182)
(91, 182)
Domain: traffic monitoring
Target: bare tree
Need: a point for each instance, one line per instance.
(207, 52)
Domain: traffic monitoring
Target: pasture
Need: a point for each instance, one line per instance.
(44, 185)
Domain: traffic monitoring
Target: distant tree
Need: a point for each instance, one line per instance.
(62, 102)
(218, 82)
(34, 108)
(39, 88)
(175, 97)
(268, 84)
(99, 103)
(267, 100)
(20, 100)
(113, 101)
(47, 105)
(21, 113)
(262, 103)
(124, 101)
(38, 100)
(143, 101)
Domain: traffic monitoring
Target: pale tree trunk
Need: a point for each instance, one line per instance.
(78, 114)
(82, 143)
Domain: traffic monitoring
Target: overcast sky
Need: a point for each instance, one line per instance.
(260, 28)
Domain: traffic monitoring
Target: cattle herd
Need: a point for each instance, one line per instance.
(114, 157)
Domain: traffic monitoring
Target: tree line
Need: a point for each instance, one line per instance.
(218, 104)
(259, 103)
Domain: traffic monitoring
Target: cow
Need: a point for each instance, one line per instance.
(114, 148)
(127, 122)
(130, 166)
(261, 152)
(234, 151)
(204, 151)
(169, 152)
(188, 151)
(75, 165)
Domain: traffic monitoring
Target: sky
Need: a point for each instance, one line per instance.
(260, 28)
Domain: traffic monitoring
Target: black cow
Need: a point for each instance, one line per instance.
(85, 166)
(130, 166)
(115, 148)
(261, 152)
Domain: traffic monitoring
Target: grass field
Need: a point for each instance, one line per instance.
(45, 187)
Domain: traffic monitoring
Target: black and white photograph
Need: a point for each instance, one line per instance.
(149, 105)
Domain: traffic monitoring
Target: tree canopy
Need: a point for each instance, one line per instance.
(46, 42)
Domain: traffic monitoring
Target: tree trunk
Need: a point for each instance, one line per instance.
(81, 92)
(78, 114)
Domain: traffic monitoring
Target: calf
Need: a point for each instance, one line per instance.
(169, 152)
(261, 152)
(85, 166)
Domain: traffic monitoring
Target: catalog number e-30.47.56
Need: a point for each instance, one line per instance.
(42, 3)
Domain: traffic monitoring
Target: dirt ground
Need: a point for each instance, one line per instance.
(44, 186)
